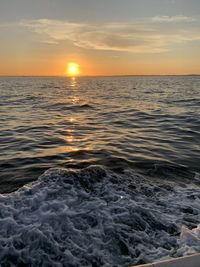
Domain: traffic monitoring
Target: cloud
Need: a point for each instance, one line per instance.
(135, 37)
(178, 18)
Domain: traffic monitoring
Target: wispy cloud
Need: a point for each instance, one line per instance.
(137, 37)
(178, 18)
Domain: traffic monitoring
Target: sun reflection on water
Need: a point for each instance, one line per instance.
(73, 82)
(75, 99)
(72, 119)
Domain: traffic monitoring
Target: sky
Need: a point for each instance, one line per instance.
(104, 37)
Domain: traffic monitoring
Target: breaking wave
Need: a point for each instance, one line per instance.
(94, 217)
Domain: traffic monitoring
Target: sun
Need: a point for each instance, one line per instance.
(73, 69)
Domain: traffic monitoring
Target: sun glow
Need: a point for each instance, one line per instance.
(73, 69)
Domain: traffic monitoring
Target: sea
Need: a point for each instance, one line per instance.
(99, 171)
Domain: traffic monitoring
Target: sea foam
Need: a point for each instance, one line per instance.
(93, 217)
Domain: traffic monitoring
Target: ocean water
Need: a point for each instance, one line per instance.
(101, 171)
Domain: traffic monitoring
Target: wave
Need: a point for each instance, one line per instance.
(67, 106)
(94, 217)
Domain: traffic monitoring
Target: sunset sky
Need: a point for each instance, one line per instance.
(104, 37)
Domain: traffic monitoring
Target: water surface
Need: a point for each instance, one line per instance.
(140, 203)
(118, 122)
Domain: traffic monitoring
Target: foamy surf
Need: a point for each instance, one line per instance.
(94, 217)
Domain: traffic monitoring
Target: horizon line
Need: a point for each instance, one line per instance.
(114, 75)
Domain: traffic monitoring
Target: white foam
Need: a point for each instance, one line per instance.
(93, 217)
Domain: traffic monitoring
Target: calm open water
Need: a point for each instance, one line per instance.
(143, 132)
(142, 122)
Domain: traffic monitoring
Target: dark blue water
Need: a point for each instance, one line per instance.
(144, 135)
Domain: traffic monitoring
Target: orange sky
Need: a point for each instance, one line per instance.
(140, 40)
(91, 67)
